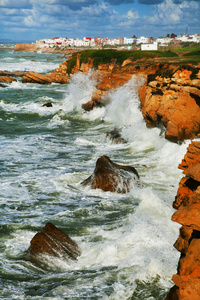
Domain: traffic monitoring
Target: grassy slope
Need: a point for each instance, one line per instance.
(177, 56)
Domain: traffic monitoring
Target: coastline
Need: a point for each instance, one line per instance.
(110, 77)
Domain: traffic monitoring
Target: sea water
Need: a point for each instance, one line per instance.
(126, 239)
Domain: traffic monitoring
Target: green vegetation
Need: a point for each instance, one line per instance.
(189, 54)
(71, 63)
(108, 55)
(177, 56)
(193, 53)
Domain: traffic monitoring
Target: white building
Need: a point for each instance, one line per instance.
(189, 38)
(146, 47)
(164, 40)
(128, 41)
(142, 40)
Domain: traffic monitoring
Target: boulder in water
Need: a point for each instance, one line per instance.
(115, 136)
(90, 105)
(112, 177)
(48, 104)
(54, 242)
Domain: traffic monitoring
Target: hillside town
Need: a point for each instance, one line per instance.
(145, 43)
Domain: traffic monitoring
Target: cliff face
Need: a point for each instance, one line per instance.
(187, 203)
(172, 98)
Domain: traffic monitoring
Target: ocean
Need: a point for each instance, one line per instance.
(46, 152)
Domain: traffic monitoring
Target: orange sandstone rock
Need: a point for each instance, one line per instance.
(174, 102)
(7, 79)
(187, 279)
(33, 77)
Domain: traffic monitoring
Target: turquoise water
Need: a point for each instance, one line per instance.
(126, 240)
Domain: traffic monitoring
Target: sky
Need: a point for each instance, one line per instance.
(31, 20)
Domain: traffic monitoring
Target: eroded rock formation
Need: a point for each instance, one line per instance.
(172, 98)
(112, 177)
(7, 79)
(33, 77)
(54, 242)
(187, 203)
(59, 75)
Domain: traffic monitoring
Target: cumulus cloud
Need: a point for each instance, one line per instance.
(170, 14)
(106, 18)
(30, 22)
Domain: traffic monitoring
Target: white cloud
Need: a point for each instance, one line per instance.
(169, 13)
(30, 22)
(132, 14)
(78, 18)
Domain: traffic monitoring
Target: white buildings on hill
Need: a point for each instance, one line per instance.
(146, 43)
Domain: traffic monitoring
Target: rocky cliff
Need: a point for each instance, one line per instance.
(171, 98)
(187, 203)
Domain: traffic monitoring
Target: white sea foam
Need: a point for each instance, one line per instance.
(123, 237)
(79, 91)
(11, 64)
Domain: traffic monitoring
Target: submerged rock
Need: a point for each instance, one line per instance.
(90, 105)
(115, 136)
(48, 104)
(54, 242)
(112, 177)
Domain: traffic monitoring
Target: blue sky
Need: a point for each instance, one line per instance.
(31, 20)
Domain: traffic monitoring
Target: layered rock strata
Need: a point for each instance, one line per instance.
(172, 98)
(112, 177)
(187, 203)
(7, 79)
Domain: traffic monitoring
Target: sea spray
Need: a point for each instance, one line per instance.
(126, 240)
(79, 91)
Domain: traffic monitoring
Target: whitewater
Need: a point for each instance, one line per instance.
(46, 152)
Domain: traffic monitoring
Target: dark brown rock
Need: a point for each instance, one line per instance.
(115, 136)
(112, 177)
(54, 242)
(48, 104)
(90, 105)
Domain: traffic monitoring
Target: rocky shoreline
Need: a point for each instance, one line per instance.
(170, 99)
(187, 203)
